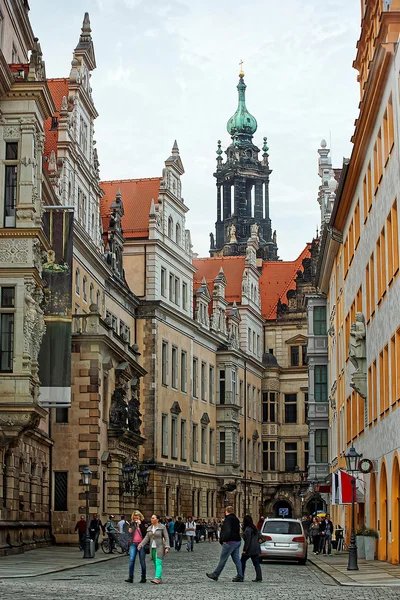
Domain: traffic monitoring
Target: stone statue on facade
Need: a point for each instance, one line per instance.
(254, 230)
(134, 414)
(358, 355)
(118, 409)
(232, 234)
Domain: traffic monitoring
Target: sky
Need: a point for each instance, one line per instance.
(168, 69)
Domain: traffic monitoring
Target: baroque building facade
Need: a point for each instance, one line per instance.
(25, 444)
(358, 273)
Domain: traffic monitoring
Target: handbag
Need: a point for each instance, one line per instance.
(147, 548)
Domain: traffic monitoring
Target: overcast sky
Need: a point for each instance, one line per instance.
(168, 69)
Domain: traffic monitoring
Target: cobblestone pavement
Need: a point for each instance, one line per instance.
(184, 577)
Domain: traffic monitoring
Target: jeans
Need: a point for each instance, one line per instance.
(190, 542)
(157, 563)
(95, 533)
(227, 550)
(256, 563)
(133, 552)
(326, 538)
(171, 539)
(178, 541)
(82, 535)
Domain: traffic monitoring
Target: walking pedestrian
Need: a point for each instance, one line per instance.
(315, 535)
(251, 548)
(179, 531)
(80, 527)
(171, 532)
(95, 527)
(326, 529)
(157, 537)
(198, 530)
(190, 534)
(230, 540)
(137, 533)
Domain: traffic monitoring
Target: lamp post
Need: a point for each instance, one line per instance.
(352, 457)
(86, 475)
(316, 492)
(302, 503)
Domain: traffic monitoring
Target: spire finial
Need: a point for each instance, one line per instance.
(241, 72)
(175, 149)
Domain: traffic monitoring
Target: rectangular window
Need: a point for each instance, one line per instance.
(174, 436)
(241, 396)
(164, 363)
(321, 445)
(163, 282)
(7, 308)
(304, 358)
(203, 445)
(195, 441)
(171, 288)
(204, 381)
(255, 456)
(234, 387)
(222, 447)
(61, 490)
(319, 320)
(174, 372)
(321, 383)
(177, 291)
(164, 435)
(290, 456)
(290, 408)
(306, 456)
(183, 371)
(183, 440)
(211, 384)
(184, 296)
(269, 456)
(211, 447)
(269, 407)
(195, 378)
(62, 414)
(10, 184)
(222, 387)
(241, 452)
(294, 356)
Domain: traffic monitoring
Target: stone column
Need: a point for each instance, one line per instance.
(266, 199)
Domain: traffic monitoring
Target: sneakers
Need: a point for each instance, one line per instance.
(237, 578)
(212, 576)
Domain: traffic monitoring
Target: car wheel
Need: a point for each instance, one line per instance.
(302, 561)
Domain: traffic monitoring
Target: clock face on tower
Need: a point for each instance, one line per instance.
(365, 465)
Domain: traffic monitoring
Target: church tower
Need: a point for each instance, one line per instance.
(243, 189)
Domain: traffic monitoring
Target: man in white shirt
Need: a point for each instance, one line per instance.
(121, 524)
(190, 533)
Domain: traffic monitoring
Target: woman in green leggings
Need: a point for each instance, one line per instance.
(157, 537)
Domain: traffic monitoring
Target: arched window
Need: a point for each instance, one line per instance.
(77, 282)
(178, 234)
(84, 289)
(98, 299)
(91, 294)
(170, 227)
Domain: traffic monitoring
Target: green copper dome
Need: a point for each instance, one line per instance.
(242, 125)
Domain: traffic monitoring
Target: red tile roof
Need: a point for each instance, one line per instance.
(136, 197)
(58, 88)
(277, 278)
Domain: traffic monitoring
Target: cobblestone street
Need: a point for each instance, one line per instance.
(184, 577)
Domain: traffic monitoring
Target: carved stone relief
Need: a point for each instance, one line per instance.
(13, 251)
(11, 132)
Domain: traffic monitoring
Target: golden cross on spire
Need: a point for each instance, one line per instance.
(241, 73)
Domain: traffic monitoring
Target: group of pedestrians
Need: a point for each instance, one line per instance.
(320, 531)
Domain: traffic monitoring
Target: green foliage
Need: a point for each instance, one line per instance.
(367, 532)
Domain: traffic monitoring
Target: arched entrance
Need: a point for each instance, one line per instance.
(395, 510)
(383, 515)
(284, 505)
(314, 505)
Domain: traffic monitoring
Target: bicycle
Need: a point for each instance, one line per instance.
(105, 546)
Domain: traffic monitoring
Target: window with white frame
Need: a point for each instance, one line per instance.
(91, 293)
(171, 288)
(174, 371)
(84, 289)
(174, 436)
(203, 381)
(195, 390)
(183, 371)
(195, 442)
(222, 448)
(7, 324)
(170, 227)
(203, 444)
(164, 435)
(183, 440)
(184, 296)
(234, 386)
(211, 448)
(211, 384)
(163, 282)
(77, 282)
(178, 234)
(164, 363)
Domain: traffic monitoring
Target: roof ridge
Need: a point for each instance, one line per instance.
(57, 79)
(130, 180)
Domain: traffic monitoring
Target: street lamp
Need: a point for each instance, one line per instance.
(302, 494)
(86, 475)
(352, 457)
(316, 493)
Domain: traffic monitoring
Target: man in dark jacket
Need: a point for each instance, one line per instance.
(230, 541)
(95, 527)
(326, 528)
(179, 531)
